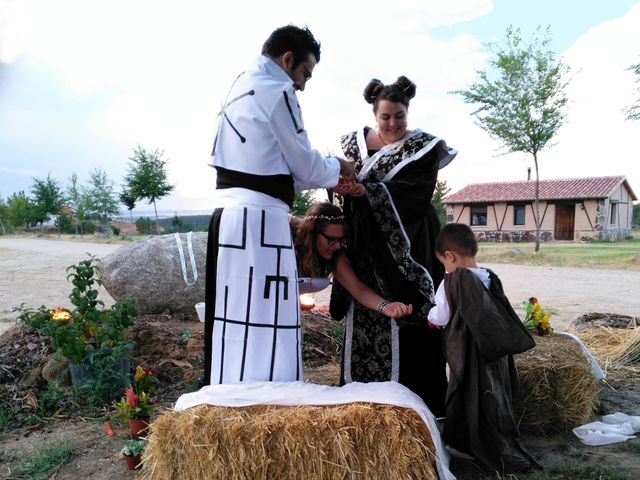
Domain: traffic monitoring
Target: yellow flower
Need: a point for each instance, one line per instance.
(537, 319)
(139, 373)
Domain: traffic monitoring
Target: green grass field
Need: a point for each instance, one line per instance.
(623, 255)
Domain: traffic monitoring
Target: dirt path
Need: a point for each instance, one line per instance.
(566, 292)
(569, 292)
(33, 272)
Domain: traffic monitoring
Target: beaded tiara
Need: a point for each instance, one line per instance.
(328, 218)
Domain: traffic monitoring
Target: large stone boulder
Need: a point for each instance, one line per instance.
(150, 272)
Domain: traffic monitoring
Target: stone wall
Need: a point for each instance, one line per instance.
(513, 236)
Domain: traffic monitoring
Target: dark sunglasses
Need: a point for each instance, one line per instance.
(307, 74)
(333, 240)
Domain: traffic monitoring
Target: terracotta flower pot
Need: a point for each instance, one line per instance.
(139, 427)
(132, 461)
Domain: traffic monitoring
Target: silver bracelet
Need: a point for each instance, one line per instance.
(381, 306)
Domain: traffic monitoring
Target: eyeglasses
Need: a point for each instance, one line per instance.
(307, 74)
(333, 240)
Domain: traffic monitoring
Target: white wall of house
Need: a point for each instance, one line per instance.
(618, 209)
(608, 218)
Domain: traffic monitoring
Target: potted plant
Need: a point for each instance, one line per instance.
(139, 401)
(92, 338)
(132, 451)
(537, 319)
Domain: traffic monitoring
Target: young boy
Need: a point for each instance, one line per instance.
(481, 333)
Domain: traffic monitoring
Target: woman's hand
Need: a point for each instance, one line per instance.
(358, 190)
(349, 187)
(397, 310)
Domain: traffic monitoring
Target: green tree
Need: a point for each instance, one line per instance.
(78, 202)
(635, 221)
(441, 191)
(48, 199)
(147, 177)
(633, 112)
(302, 201)
(65, 223)
(20, 209)
(143, 225)
(101, 199)
(4, 216)
(128, 199)
(176, 221)
(521, 101)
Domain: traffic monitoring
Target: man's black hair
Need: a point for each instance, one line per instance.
(294, 39)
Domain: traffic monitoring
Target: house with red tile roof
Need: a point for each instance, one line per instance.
(570, 209)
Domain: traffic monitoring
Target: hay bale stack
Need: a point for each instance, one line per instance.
(360, 440)
(557, 388)
(613, 347)
(599, 319)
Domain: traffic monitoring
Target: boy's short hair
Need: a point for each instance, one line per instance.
(458, 238)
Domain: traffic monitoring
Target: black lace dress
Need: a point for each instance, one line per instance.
(392, 231)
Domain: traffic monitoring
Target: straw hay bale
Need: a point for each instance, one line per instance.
(557, 388)
(613, 347)
(357, 440)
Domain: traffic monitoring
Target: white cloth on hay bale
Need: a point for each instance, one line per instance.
(593, 363)
(301, 393)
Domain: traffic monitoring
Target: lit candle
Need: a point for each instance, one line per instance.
(307, 302)
(60, 314)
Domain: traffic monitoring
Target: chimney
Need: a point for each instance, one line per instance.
(528, 173)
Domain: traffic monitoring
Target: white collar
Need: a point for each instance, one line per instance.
(272, 68)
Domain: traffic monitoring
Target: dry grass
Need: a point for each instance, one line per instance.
(558, 390)
(358, 440)
(613, 347)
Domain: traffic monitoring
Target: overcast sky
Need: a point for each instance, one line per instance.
(83, 82)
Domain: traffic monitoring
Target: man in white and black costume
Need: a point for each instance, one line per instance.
(262, 155)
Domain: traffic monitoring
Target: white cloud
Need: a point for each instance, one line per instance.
(24, 172)
(15, 30)
(167, 65)
(596, 139)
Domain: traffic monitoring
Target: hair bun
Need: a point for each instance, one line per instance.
(406, 87)
(372, 90)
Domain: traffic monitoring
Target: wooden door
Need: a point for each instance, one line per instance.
(565, 221)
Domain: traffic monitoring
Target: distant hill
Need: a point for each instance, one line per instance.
(189, 222)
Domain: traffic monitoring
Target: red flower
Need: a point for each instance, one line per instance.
(132, 399)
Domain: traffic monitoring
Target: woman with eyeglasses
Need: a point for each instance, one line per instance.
(393, 226)
(319, 241)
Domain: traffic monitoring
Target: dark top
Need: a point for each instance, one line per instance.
(479, 340)
(277, 186)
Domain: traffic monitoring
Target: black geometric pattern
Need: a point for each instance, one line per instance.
(275, 283)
